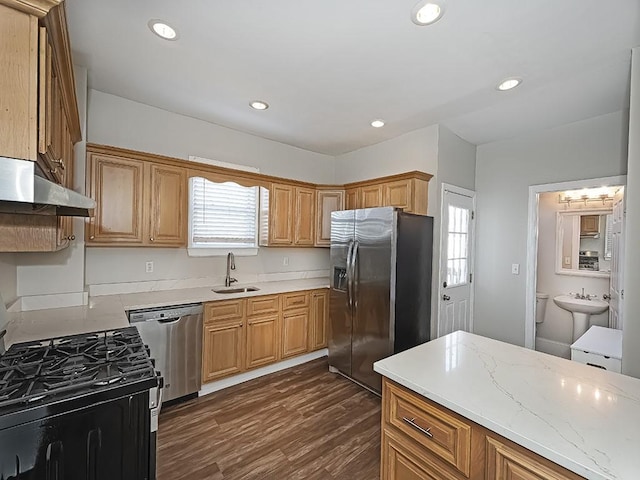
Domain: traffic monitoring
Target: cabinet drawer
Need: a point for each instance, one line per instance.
(441, 433)
(596, 360)
(262, 305)
(295, 300)
(224, 310)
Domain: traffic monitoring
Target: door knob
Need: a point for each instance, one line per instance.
(446, 298)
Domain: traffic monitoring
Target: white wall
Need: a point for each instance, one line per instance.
(61, 272)
(417, 150)
(123, 123)
(631, 322)
(8, 278)
(504, 171)
(119, 122)
(121, 265)
(555, 334)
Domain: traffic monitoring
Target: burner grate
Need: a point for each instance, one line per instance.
(34, 371)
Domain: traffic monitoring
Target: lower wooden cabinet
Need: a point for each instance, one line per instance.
(319, 319)
(423, 440)
(262, 340)
(294, 332)
(252, 332)
(223, 351)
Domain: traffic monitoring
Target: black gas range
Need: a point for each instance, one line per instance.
(79, 407)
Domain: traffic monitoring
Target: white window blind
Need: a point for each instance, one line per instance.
(223, 215)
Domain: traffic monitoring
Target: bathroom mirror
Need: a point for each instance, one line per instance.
(583, 243)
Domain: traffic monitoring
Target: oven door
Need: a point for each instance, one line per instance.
(106, 441)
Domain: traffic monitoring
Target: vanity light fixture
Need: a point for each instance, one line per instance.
(604, 194)
(377, 123)
(163, 30)
(509, 84)
(426, 12)
(259, 105)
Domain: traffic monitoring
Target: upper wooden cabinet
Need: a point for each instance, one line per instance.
(408, 191)
(38, 107)
(291, 216)
(327, 201)
(138, 203)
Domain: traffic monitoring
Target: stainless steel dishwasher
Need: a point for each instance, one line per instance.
(174, 336)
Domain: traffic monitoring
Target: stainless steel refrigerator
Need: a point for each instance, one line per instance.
(380, 297)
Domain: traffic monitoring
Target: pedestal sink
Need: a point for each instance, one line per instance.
(581, 309)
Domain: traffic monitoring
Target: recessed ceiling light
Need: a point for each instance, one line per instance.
(377, 123)
(163, 30)
(426, 12)
(259, 105)
(509, 83)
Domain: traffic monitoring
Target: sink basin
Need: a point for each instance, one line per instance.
(581, 310)
(592, 307)
(235, 289)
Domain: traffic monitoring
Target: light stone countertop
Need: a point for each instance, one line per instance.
(583, 418)
(109, 311)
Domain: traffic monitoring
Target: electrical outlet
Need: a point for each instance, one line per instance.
(148, 267)
(515, 268)
(285, 261)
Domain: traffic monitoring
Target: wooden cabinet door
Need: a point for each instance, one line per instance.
(304, 216)
(19, 60)
(281, 214)
(327, 201)
(506, 462)
(295, 326)
(262, 340)
(167, 218)
(398, 194)
(319, 319)
(371, 196)
(589, 224)
(400, 460)
(352, 198)
(223, 351)
(116, 184)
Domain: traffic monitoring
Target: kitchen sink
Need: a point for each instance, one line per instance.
(236, 290)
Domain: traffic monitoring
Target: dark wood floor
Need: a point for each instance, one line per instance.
(300, 423)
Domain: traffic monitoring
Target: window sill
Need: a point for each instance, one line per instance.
(221, 252)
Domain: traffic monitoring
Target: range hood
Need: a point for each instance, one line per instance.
(22, 191)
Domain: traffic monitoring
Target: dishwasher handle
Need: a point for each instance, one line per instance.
(169, 321)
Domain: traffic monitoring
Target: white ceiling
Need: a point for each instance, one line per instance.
(328, 68)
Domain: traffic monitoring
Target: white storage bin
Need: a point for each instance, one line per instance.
(599, 347)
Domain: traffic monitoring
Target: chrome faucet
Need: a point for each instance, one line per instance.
(231, 265)
(582, 296)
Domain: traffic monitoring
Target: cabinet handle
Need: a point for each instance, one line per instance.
(60, 163)
(411, 421)
(92, 237)
(71, 238)
(151, 239)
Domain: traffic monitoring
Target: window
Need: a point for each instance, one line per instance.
(222, 217)
(457, 246)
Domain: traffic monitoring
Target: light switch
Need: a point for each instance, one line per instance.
(567, 260)
(285, 261)
(515, 268)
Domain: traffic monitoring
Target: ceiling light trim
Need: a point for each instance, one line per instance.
(170, 33)
(427, 12)
(509, 83)
(377, 123)
(259, 105)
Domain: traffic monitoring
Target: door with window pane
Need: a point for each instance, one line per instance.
(454, 312)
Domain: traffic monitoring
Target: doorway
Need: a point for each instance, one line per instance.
(566, 265)
(455, 289)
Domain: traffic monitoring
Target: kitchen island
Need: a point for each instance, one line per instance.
(581, 418)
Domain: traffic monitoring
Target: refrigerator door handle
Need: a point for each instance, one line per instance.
(354, 273)
(349, 276)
